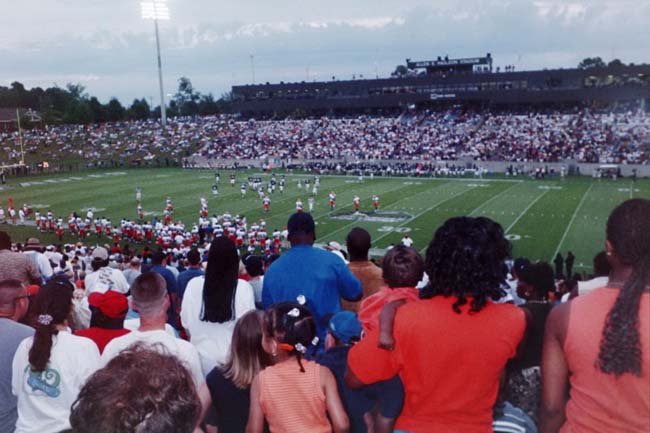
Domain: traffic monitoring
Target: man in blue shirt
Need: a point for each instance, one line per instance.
(159, 266)
(321, 277)
(193, 270)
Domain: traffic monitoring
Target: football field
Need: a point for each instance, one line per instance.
(540, 217)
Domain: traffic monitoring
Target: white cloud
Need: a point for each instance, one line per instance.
(111, 50)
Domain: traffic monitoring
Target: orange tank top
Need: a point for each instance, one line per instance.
(599, 402)
(293, 401)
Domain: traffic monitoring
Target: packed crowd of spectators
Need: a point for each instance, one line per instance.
(443, 136)
(463, 339)
(584, 136)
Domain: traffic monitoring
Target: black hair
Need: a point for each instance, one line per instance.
(194, 257)
(358, 242)
(158, 257)
(220, 284)
(96, 264)
(402, 267)
(289, 328)
(52, 307)
(466, 259)
(628, 230)
(5, 241)
(254, 265)
(601, 265)
(540, 277)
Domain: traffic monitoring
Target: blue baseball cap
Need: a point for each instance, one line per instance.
(345, 326)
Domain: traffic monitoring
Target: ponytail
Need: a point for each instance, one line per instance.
(620, 346)
(52, 305)
(629, 234)
(39, 354)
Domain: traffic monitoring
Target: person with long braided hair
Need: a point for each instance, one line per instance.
(599, 343)
(50, 368)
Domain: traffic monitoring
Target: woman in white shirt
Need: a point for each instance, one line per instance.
(212, 304)
(49, 368)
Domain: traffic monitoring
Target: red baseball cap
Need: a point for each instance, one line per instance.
(113, 304)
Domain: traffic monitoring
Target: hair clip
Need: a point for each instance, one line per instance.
(300, 348)
(315, 341)
(294, 313)
(301, 299)
(45, 319)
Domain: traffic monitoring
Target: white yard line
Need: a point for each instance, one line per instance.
(526, 210)
(492, 199)
(387, 207)
(482, 204)
(429, 209)
(573, 217)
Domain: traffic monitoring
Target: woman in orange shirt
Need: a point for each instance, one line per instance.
(451, 346)
(599, 343)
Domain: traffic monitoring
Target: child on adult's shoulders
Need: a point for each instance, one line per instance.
(402, 269)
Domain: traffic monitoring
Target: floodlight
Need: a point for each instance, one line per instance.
(157, 10)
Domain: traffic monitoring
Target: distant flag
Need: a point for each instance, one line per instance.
(11, 203)
(419, 169)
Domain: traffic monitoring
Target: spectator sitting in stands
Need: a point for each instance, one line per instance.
(435, 338)
(150, 299)
(107, 321)
(50, 368)
(372, 408)
(598, 346)
(155, 393)
(358, 243)
(295, 395)
(227, 388)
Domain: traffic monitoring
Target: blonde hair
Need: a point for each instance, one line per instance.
(247, 357)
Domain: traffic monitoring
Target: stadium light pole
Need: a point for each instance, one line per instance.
(157, 10)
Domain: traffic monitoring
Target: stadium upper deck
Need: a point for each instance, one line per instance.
(445, 82)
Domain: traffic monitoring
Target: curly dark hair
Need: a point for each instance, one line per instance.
(289, 328)
(466, 258)
(628, 230)
(142, 390)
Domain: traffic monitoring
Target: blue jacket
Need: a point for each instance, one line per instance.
(320, 276)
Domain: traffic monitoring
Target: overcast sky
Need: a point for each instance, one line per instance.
(104, 45)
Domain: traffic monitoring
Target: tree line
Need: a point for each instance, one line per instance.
(73, 105)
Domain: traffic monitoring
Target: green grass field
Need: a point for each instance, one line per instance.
(540, 217)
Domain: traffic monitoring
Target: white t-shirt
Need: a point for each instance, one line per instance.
(42, 262)
(134, 324)
(585, 287)
(105, 279)
(181, 349)
(212, 340)
(407, 242)
(44, 399)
